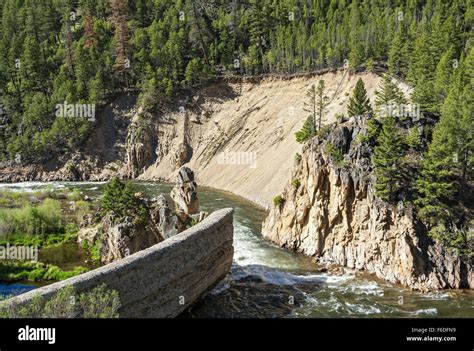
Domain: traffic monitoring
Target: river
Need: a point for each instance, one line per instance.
(267, 281)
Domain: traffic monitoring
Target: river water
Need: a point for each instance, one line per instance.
(266, 281)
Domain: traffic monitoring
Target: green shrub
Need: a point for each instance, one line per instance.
(56, 273)
(336, 155)
(44, 241)
(100, 302)
(296, 183)
(361, 139)
(12, 271)
(75, 195)
(119, 199)
(32, 219)
(297, 158)
(278, 200)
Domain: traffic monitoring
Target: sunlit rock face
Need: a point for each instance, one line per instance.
(334, 215)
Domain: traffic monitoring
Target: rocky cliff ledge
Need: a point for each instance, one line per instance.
(328, 210)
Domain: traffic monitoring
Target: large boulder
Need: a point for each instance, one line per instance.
(184, 194)
(125, 237)
(163, 217)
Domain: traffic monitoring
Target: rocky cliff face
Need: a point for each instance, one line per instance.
(330, 212)
(139, 146)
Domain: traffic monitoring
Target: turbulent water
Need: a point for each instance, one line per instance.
(266, 281)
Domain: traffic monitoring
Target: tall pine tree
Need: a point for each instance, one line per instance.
(359, 103)
(387, 161)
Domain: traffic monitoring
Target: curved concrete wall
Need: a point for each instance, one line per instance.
(165, 279)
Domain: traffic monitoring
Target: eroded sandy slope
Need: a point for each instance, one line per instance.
(257, 118)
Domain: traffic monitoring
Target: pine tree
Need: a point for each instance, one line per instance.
(458, 114)
(306, 132)
(356, 53)
(421, 72)
(193, 73)
(397, 55)
(447, 164)
(359, 103)
(387, 161)
(435, 185)
(443, 77)
(311, 106)
(119, 19)
(316, 103)
(322, 103)
(389, 94)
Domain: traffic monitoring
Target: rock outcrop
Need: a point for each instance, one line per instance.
(164, 218)
(184, 194)
(121, 238)
(140, 145)
(329, 211)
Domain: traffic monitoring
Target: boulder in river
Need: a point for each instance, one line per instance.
(184, 194)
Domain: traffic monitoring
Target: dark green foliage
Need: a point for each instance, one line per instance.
(373, 128)
(278, 201)
(389, 94)
(448, 163)
(307, 131)
(359, 103)
(412, 138)
(85, 51)
(336, 155)
(387, 161)
(119, 198)
(445, 182)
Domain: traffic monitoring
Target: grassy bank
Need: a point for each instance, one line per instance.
(44, 219)
(11, 271)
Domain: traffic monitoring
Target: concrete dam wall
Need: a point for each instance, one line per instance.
(165, 279)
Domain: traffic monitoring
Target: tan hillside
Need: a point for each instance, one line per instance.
(258, 118)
